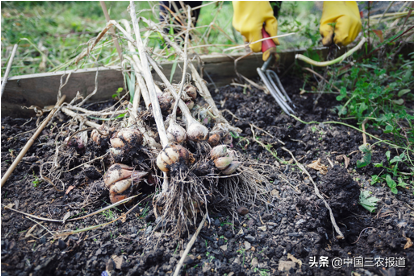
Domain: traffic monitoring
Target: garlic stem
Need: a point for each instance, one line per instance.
(183, 107)
(198, 80)
(174, 116)
(148, 78)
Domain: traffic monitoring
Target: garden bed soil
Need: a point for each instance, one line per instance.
(280, 237)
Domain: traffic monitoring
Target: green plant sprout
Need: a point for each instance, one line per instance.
(367, 201)
(36, 180)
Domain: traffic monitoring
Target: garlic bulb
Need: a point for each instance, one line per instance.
(223, 162)
(117, 172)
(219, 151)
(165, 101)
(126, 137)
(191, 91)
(174, 154)
(196, 131)
(214, 139)
(176, 133)
(119, 179)
(115, 152)
(232, 168)
(190, 105)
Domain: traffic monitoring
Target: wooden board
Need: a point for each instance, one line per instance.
(41, 89)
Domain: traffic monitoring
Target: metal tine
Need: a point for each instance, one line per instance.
(276, 91)
(279, 83)
(282, 103)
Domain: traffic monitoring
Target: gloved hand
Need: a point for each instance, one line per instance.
(248, 19)
(345, 16)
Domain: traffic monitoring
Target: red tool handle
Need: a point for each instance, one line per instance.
(268, 43)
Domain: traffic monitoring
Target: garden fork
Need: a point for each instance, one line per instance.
(269, 76)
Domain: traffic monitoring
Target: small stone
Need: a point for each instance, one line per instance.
(247, 245)
(206, 268)
(275, 193)
(255, 262)
(263, 228)
(240, 232)
(148, 230)
(300, 221)
(286, 265)
(42, 240)
(223, 247)
(118, 261)
(61, 244)
(253, 249)
(242, 210)
(250, 238)
(236, 261)
(189, 259)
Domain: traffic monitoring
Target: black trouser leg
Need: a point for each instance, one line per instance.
(167, 6)
(276, 5)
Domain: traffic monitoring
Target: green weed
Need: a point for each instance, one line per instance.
(377, 92)
(367, 201)
(109, 214)
(36, 180)
(391, 171)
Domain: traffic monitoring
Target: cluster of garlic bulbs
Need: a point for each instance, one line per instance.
(173, 156)
(121, 180)
(224, 159)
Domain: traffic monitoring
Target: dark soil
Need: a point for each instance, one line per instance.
(295, 222)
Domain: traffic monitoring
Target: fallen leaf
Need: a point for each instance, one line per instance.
(408, 244)
(70, 188)
(28, 234)
(242, 210)
(316, 165)
(10, 205)
(379, 34)
(118, 261)
(66, 216)
(344, 158)
(299, 262)
(123, 217)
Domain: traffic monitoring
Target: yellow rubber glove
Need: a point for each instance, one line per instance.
(248, 19)
(345, 16)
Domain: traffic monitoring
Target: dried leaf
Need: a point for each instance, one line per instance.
(242, 210)
(408, 244)
(28, 234)
(118, 261)
(379, 34)
(345, 158)
(70, 188)
(299, 262)
(316, 165)
(66, 216)
(123, 217)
